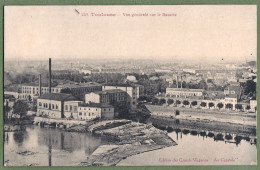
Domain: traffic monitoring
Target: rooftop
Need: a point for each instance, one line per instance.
(101, 105)
(231, 96)
(122, 85)
(110, 91)
(185, 89)
(58, 97)
(8, 96)
(233, 87)
(78, 85)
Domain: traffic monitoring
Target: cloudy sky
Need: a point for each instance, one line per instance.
(203, 33)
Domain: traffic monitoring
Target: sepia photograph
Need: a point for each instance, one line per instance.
(130, 85)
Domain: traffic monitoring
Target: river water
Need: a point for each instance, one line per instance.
(38, 146)
(197, 150)
(48, 147)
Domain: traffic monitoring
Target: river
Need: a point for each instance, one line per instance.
(48, 147)
(197, 150)
(36, 146)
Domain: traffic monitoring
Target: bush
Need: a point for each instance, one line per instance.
(203, 104)
(170, 101)
(178, 102)
(229, 106)
(162, 101)
(185, 102)
(238, 106)
(220, 105)
(194, 103)
(211, 105)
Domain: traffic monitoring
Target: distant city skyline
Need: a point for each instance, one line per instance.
(200, 33)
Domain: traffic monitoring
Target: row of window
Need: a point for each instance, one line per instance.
(49, 106)
(43, 89)
(70, 107)
(89, 109)
(85, 108)
(89, 114)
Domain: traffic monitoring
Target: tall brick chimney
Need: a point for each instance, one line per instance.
(181, 82)
(40, 85)
(49, 75)
(177, 82)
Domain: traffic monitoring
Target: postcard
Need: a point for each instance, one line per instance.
(130, 85)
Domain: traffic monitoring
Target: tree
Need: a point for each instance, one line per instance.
(203, 104)
(29, 98)
(229, 106)
(66, 90)
(20, 108)
(170, 101)
(238, 106)
(185, 102)
(155, 101)
(250, 87)
(178, 102)
(211, 104)
(203, 85)
(248, 107)
(6, 110)
(194, 103)
(162, 101)
(220, 105)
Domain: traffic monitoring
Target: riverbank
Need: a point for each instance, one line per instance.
(13, 125)
(129, 139)
(203, 115)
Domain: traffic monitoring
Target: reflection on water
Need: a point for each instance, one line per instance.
(196, 148)
(53, 147)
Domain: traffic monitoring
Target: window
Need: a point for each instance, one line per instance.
(88, 114)
(96, 109)
(133, 103)
(104, 109)
(75, 108)
(109, 109)
(66, 107)
(84, 114)
(57, 106)
(52, 106)
(40, 104)
(70, 107)
(133, 97)
(80, 113)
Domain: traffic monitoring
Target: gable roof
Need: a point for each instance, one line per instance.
(99, 105)
(109, 91)
(58, 97)
(8, 96)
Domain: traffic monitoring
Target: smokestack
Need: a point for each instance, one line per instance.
(49, 75)
(177, 83)
(181, 81)
(40, 85)
(106, 79)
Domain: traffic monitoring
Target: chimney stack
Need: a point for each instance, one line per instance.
(181, 82)
(49, 75)
(177, 83)
(40, 85)
(106, 79)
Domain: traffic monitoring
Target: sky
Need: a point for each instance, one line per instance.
(198, 33)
